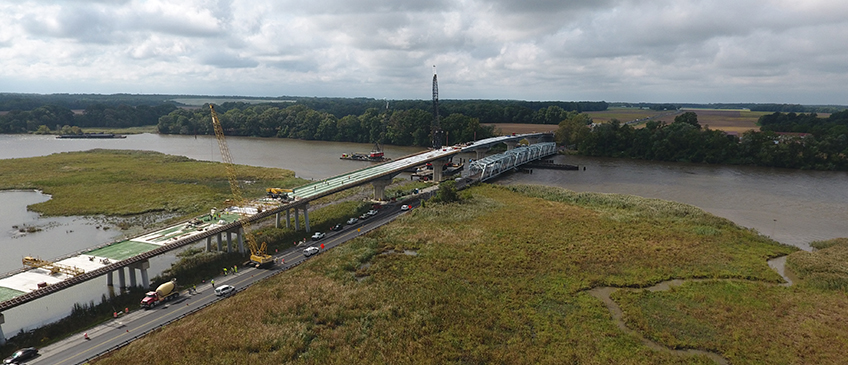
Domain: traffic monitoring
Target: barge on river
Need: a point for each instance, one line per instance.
(376, 155)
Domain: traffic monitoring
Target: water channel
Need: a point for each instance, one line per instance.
(791, 206)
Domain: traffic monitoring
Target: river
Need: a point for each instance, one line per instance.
(791, 206)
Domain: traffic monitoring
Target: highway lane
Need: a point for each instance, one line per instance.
(120, 331)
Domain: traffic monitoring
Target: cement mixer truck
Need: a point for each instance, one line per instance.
(163, 293)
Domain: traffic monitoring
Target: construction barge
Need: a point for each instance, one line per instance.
(376, 155)
(90, 135)
(549, 164)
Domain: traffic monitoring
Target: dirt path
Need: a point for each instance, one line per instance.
(603, 293)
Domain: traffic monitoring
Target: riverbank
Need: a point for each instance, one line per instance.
(495, 283)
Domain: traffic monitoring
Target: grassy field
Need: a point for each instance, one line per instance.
(488, 280)
(622, 114)
(131, 182)
(520, 128)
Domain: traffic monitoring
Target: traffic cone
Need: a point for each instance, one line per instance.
(85, 335)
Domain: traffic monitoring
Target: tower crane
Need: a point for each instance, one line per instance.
(258, 255)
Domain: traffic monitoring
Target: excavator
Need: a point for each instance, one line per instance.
(258, 255)
(279, 193)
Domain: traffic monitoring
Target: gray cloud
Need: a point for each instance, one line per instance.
(636, 50)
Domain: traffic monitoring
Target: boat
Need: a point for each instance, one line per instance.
(376, 155)
(90, 135)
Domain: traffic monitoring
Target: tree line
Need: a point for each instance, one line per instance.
(684, 140)
(58, 119)
(410, 127)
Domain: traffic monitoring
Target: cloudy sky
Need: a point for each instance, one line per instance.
(782, 51)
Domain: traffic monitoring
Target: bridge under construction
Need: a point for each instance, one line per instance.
(128, 257)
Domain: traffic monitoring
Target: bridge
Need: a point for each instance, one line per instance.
(133, 254)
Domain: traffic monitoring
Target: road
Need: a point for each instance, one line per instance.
(124, 329)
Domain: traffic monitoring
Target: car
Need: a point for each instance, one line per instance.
(224, 290)
(405, 207)
(309, 251)
(337, 227)
(21, 355)
(318, 236)
(372, 212)
(364, 216)
(352, 220)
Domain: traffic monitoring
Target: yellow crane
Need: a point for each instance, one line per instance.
(257, 253)
(52, 266)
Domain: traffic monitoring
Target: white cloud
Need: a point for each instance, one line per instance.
(632, 50)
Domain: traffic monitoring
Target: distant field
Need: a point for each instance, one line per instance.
(519, 128)
(622, 114)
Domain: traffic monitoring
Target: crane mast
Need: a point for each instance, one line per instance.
(257, 253)
(436, 128)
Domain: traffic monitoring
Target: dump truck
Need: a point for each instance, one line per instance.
(163, 293)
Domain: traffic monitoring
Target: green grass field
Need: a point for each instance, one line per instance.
(500, 278)
(132, 182)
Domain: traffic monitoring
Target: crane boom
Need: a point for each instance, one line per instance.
(257, 252)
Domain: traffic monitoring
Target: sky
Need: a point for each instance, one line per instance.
(697, 51)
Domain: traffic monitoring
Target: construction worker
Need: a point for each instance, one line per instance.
(213, 283)
(225, 271)
(235, 269)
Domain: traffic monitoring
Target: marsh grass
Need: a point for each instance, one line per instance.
(826, 268)
(499, 278)
(109, 182)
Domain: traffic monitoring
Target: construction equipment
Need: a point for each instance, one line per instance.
(258, 256)
(278, 193)
(52, 266)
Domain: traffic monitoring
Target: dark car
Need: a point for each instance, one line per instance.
(21, 356)
(337, 227)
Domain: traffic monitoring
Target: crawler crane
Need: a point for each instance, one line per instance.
(258, 256)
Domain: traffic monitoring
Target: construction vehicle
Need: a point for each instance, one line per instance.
(278, 193)
(258, 255)
(163, 293)
(52, 266)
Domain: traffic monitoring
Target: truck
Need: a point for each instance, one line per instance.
(163, 293)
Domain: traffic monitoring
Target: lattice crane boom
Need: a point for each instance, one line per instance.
(257, 252)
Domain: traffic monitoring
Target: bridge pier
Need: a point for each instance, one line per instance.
(220, 243)
(2, 336)
(481, 152)
(229, 242)
(296, 220)
(143, 266)
(306, 215)
(510, 145)
(277, 220)
(240, 237)
(380, 187)
(132, 276)
(288, 218)
(122, 282)
(437, 169)
(209, 244)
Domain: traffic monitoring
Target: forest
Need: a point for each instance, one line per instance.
(684, 140)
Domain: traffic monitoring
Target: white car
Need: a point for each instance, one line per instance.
(318, 236)
(404, 207)
(372, 212)
(352, 220)
(224, 290)
(309, 251)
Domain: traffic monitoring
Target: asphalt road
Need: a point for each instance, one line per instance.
(124, 329)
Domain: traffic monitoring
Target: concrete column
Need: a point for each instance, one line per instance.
(306, 215)
(532, 140)
(481, 152)
(296, 220)
(209, 244)
(277, 220)
(380, 188)
(288, 218)
(511, 145)
(132, 276)
(229, 242)
(122, 282)
(145, 281)
(2, 336)
(109, 279)
(240, 236)
(220, 242)
(437, 170)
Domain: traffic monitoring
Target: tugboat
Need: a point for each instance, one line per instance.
(376, 155)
